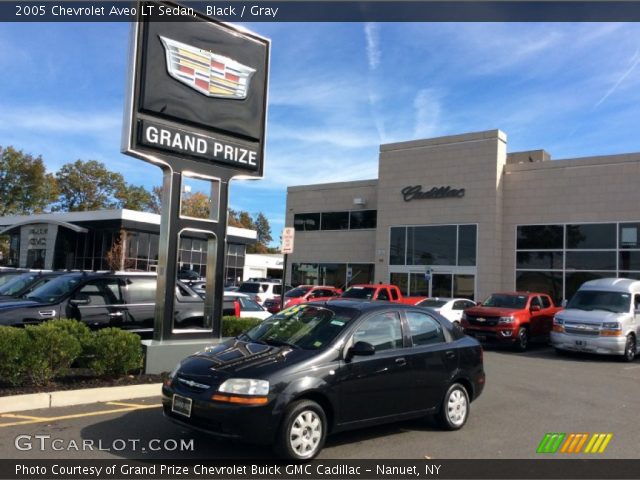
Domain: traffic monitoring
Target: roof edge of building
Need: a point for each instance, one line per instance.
(324, 186)
(444, 140)
(593, 160)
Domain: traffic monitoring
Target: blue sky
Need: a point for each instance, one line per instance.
(339, 90)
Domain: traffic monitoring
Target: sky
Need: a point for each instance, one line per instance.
(338, 91)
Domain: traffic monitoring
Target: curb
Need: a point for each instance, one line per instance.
(67, 398)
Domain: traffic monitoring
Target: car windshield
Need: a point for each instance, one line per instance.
(17, 283)
(430, 302)
(359, 292)
(297, 292)
(249, 288)
(515, 302)
(617, 302)
(55, 290)
(308, 327)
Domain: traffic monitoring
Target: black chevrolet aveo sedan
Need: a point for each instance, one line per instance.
(325, 367)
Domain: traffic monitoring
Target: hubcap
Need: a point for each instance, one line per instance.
(305, 434)
(457, 407)
(631, 348)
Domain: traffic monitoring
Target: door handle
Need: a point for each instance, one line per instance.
(116, 314)
(450, 354)
(401, 362)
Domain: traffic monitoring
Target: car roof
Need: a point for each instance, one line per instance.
(612, 284)
(236, 294)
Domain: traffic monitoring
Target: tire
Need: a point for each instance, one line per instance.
(629, 349)
(302, 432)
(454, 410)
(560, 352)
(522, 342)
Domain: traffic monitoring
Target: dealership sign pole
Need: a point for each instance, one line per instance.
(196, 107)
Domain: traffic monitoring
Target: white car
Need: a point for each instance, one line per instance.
(449, 308)
(241, 305)
(261, 291)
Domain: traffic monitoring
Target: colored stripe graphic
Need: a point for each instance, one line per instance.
(550, 443)
(572, 443)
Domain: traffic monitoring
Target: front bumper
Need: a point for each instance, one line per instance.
(589, 344)
(250, 423)
(492, 336)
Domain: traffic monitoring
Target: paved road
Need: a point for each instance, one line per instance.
(527, 395)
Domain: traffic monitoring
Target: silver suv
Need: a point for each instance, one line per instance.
(261, 291)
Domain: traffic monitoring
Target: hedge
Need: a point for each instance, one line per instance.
(234, 326)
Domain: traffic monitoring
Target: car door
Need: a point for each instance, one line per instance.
(536, 317)
(140, 303)
(431, 360)
(375, 386)
(99, 303)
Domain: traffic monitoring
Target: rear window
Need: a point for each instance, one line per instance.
(297, 292)
(359, 292)
(249, 288)
(432, 303)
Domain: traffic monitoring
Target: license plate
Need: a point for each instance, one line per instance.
(581, 343)
(481, 338)
(181, 405)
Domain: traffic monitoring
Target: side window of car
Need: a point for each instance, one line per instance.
(249, 305)
(142, 290)
(459, 305)
(394, 294)
(383, 294)
(277, 289)
(383, 331)
(424, 329)
(100, 292)
(535, 302)
(546, 303)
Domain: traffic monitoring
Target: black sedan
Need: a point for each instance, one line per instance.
(325, 367)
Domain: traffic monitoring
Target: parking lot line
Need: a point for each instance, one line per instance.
(23, 417)
(132, 405)
(75, 415)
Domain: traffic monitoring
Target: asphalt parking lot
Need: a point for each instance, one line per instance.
(527, 395)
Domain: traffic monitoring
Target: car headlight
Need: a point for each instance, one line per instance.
(509, 319)
(558, 321)
(612, 326)
(244, 386)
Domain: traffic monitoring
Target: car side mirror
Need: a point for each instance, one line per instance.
(535, 308)
(80, 300)
(363, 349)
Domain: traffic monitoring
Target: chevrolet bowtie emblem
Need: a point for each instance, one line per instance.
(480, 319)
(206, 72)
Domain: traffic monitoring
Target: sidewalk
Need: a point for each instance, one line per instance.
(67, 398)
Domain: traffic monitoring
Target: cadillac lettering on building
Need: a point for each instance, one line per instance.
(198, 146)
(416, 193)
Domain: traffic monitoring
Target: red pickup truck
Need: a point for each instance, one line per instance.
(511, 318)
(380, 291)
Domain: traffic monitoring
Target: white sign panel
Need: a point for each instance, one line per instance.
(288, 235)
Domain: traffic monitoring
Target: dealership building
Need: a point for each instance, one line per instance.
(82, 240)
(460, 216)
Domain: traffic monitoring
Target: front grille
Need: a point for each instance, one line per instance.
(487, 322)
(582, 329)
(192, 385)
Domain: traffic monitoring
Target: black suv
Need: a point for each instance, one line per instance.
(121, 299)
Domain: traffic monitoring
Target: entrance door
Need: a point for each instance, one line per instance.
(35, 258)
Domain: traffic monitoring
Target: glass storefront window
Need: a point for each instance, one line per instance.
(539, 260)
(597, 260)
(464, 286)
(441, 285)
(363, 219)
(630, 260)
(432, 245)
(334, 221)
(628, 235)
(573, 280)
(400, 280)
(467, 245)
(418, 286)
(540, 237)
(306, 221)
(361, 273)
(588, 236)
(397, 247)
(333, 274)
(542, 282)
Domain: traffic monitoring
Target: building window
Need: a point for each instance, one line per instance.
(591, 236)
(306, 221)
(339, 275)
(363, 219)
(540, 237)
(453, 245)
(334, 221)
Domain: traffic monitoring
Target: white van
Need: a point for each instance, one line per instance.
(602, 317)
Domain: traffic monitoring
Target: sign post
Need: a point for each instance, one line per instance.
(196, 107)
(288, 237)
(428, 275)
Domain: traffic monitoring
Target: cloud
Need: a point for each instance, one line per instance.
(428, 114)
(49, 119)
(341, 135)
(372, 36)
(634, 63)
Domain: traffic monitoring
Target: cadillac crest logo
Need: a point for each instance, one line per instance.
(211, 74)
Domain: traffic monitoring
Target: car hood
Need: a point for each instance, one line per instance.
(590, 316)
(490, 311)
(239, 358)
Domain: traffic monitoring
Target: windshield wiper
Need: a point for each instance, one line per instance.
(280, 343)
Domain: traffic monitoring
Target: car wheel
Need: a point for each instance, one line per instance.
(454, 410)
(302, 432)
(560, 352)
(522, 342)
(629, 349)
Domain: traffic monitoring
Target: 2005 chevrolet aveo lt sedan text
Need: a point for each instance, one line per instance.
(321, 368)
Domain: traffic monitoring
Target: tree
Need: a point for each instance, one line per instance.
(196, 205)
(87, 186)
(25, 187)
(115, 258)
(137, 198)
(263, 229)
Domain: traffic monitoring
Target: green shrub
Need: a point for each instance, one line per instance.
(13, 345)
(50, 352)
(234, 326)
(81, 332)
(115, 352)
